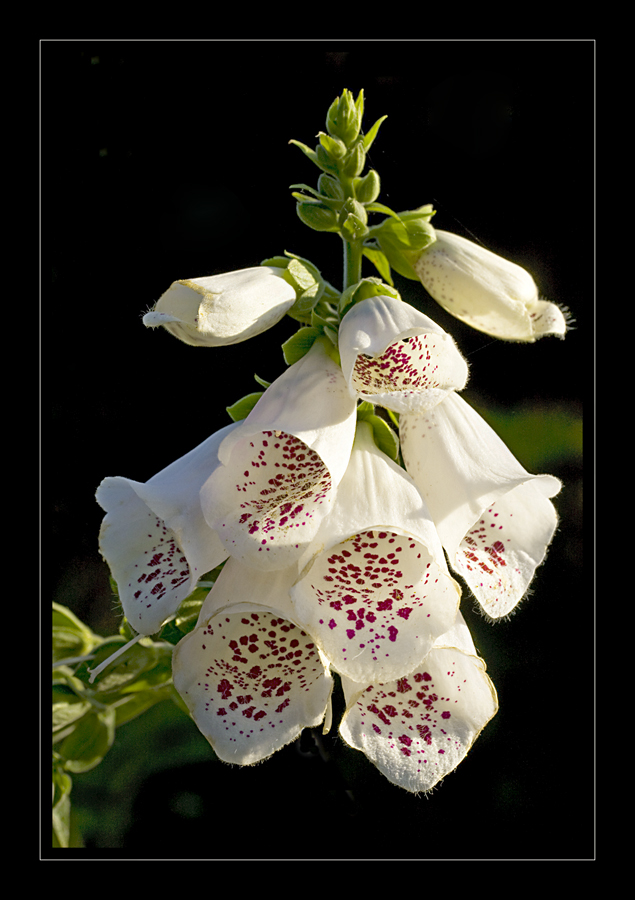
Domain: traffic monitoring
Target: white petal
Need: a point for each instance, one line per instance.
(418, 728)
(394, 356)
(281, 465)
(494, 519)
(378, 593)
(251, 678)
(223, 309)
(155, 538)
(486, 291)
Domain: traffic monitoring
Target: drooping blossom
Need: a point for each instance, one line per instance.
(377, 592)
(486, 291)
(282, 464)
(223, 309)
(418, 728)
(155, 538)
(396, 357)
(251, 677)
(495, 520)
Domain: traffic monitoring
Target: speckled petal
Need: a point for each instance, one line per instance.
(418, 728)
(494, 519)
(281, 465)
(155, 538)
(378, 593)
(251, 678)
(394, 356)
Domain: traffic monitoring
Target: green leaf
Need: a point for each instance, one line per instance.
(126, 668)
(90, 740)
(62, 784)
(70, 636)
(241, 408)
(307, 151)
(299, 344)
(372, 134)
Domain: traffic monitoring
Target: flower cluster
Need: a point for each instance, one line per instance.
(343, 503)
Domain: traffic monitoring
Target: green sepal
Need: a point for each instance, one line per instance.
(299, 344)
(367, 287)
(262, 382)
(403, 240)
(335, 147)
(241, 408)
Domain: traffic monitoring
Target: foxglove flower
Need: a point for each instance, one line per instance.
(418, 728)
(250, 676)
(486, 291)
(282, 464)
(223, 309)
(377, 593)
(155, 538)
(394, 356)
(495, 520)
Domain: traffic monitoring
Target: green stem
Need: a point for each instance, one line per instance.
(352, 262)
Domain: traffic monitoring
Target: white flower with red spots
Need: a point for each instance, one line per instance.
(282, 464)
(251, 677)
(416, 729)
(223, 309)
(377, 592)
(495, 520)
(396, 357)
(154, 536)
(486, 291)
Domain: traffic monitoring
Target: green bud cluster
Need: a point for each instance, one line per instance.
(345, 197)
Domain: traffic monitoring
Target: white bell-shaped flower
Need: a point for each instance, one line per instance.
(377, 592)
(396, 357)
(495, 520)
(282, 464)
(486, 291)
(250, 676)
(155, 538)
(419, 728)
(223, 309)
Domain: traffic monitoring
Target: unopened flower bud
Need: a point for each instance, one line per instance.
(486, 291)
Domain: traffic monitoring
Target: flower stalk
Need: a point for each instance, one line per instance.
(309, 537)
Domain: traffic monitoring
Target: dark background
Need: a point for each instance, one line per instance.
(164, 160)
